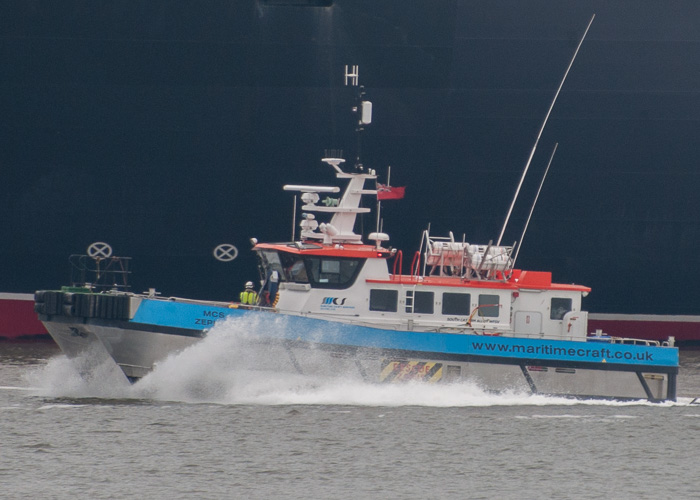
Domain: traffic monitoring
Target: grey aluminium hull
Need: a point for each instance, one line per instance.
(136, 351)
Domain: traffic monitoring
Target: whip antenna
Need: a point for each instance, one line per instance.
(532, 153)
(532, 209)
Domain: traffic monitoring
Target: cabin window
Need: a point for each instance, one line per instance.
(420, 302)
(333, 272)
(270, 261)
(559, 308)
(456, 304)
(489, 306)
(294, 268)
(423, 302)
(383, 300)
(320, 272)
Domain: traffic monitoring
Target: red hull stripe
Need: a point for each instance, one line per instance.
(646, 326)
(17, 316)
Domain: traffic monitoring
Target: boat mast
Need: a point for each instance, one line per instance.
(379, 203)
(363, 110)
(534, 147)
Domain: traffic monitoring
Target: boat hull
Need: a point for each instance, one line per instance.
(17, 317)
(684, 329)
(296, 344)
(133, 350)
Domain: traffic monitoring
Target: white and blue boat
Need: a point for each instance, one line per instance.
(343, 306)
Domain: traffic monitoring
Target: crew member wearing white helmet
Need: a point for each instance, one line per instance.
(248, 296)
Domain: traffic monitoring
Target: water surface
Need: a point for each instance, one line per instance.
(205, 428)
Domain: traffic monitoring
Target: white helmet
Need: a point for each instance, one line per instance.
(249, 284)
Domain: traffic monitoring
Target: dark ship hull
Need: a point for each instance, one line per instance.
(155, 127)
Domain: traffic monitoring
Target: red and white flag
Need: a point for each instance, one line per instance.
(390, 192)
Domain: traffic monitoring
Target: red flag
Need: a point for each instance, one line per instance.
(390, 192)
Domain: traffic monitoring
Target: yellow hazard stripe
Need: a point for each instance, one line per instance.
(402, 371)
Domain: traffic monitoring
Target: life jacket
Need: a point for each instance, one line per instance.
(249, 297)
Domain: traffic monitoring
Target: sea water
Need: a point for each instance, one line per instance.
(207, 424)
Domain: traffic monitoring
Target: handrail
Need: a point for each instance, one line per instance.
(415, 264)
(398, 259)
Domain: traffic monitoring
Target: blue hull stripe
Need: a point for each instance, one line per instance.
(200, 317)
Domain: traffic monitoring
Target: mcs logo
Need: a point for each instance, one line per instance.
(337, 301)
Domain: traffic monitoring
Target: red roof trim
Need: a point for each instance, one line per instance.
(356, 251)
(457, 283)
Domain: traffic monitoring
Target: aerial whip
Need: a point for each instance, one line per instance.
(532, 153)
(532, 208)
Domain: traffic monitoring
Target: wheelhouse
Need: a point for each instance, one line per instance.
(315, 265)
